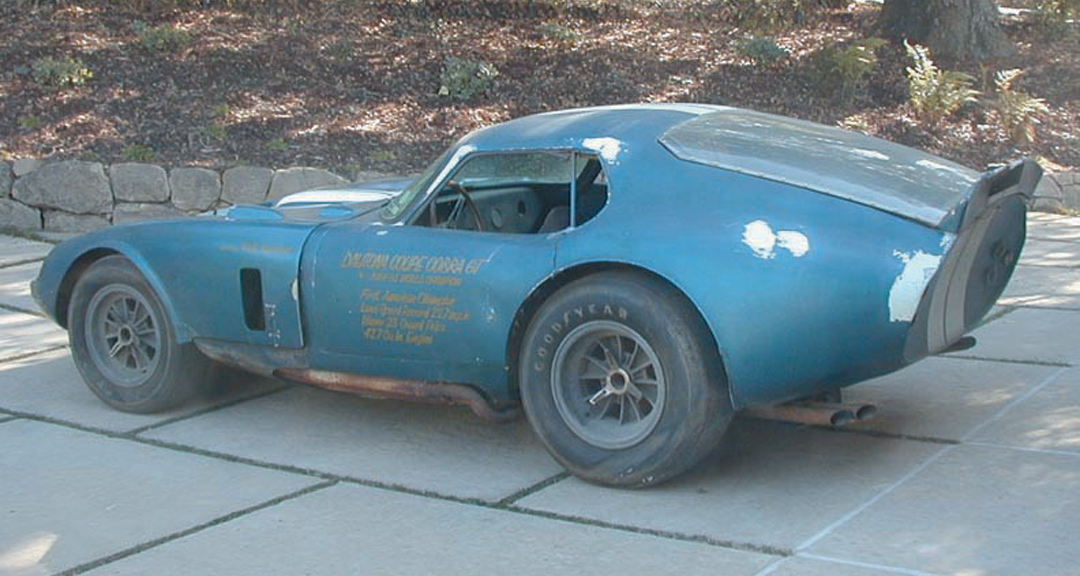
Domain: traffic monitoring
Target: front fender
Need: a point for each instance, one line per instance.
(60, 271)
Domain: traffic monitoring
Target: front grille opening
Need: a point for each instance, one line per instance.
(252, 295)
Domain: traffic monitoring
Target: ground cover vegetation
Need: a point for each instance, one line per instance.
(386, 84)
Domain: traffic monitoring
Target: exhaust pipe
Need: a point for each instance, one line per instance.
(814, 413)
(400, 389)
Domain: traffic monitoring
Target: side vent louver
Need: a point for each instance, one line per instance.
(252, 295)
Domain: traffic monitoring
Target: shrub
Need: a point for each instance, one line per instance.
(277, 145)
(760, 50)
(214, 131)
(163, 38)
(1018, 110)
(558, 33)
(138, 153)
(60, 73)
(935, 93)
(834, 68)
(30, 122)
(465, 79)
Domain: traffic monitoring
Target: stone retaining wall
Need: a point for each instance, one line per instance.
(75, 196)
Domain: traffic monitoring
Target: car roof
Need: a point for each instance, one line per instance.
(628, 123)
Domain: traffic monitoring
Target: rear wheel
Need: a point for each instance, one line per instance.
(123, 343)
(620, 380)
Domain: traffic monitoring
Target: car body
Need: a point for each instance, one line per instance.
(801, 258)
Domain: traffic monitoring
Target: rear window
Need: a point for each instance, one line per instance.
(845, 164)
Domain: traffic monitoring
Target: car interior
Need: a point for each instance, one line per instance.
(519, 193)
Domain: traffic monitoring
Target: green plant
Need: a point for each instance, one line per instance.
(163, 38)
(340, 50)
(935, 93)
(558, 33)
(67, 71)
(214, 131)
(1054, 15)
(220, 111)
(277, 145)
(761, 50)
(843, 70)
(382, 156)
(30, 122)
(1018, 110)
(465, 79)
(138, 153)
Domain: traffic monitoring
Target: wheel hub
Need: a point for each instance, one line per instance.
(608, 384)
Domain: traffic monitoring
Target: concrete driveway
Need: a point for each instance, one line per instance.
(971, 468)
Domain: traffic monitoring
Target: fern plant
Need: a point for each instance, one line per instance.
(935, 93)
(1018, 110)
(843, 70)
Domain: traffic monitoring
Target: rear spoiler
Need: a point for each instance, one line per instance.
(1017, 177)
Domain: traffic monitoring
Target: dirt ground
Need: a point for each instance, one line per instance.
(353, 84)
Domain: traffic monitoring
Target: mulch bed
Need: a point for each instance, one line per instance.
(352, 84)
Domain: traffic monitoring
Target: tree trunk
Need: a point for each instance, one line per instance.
(952, 29)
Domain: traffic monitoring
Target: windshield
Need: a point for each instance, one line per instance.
(395, 207)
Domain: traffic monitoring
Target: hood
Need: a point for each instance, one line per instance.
(323, 204)
(841, 163)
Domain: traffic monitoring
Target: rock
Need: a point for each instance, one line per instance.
(1049, 186)
(246, 184)
(133, 182)
(126, 213)
(73, 186)
(57, 221)
(18, 215)
(24, 166)
(194, 188)
(5, 180)
(374, 176)
(299, 179)
(1070, 196)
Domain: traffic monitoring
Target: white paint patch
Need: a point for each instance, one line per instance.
(795, 242)
(763, 241)
(608, 148)
(907, 289)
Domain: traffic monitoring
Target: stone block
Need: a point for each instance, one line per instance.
(6, 179)
(246, 184)
(194, 188)
(132, 182)
(299, 179)
(15, 214)
(72, 186)
(1070, 196)
(57, 221)
(23, 166)
(1049, 186)
(137, 212)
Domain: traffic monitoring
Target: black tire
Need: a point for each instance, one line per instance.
(123, 342)
(664, 351)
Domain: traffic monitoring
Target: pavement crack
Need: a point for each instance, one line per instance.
(890, 435)
(207, 410)
(1009, 361)
(20, 262)
(32, 354)
(86, 567)
(21, 310)
(530, 490)
(669, 535)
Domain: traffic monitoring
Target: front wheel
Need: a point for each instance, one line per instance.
(123, 344)
(621, 381)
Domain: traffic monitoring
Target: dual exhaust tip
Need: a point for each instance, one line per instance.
(835, 414)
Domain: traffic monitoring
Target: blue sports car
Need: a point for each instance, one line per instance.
(632, 276)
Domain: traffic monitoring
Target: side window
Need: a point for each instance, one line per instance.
(518, 193)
